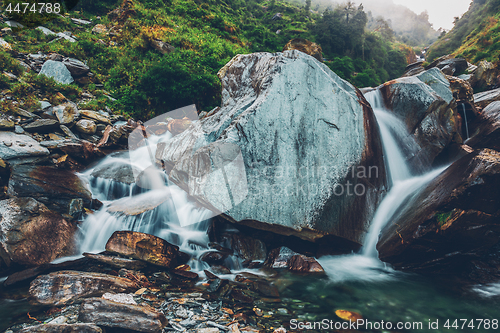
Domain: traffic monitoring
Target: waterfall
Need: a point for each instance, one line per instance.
(397, 144)
(395, 139)
(161, 209)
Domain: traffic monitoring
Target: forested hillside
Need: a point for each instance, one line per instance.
(158, 55)
(475, 36)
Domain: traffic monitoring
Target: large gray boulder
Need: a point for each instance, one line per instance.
(57, 70)
(280, 151)
(425, 103)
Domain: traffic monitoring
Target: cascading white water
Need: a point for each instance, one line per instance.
(163, 209)
(403, 187)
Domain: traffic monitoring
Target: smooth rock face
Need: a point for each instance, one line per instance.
(112, 314)
(452, 222)
(31, 234)
(65, 287)
(142, 246)
(62, 328)
(16, 146)
(483, 99)
(117, 261)
(426, 105)
(122, 173)
(282, 113)
(86, 126)
(57, 70)
(57, 188)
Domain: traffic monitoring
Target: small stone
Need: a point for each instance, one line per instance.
(76, 67)
(46, 31)
(120, 298)
(86, 126)
(99, 29)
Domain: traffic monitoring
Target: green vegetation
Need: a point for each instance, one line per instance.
(475, 36)
(205, 34)
(442, 217)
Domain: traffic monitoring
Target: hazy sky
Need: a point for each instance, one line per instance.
(441, 12)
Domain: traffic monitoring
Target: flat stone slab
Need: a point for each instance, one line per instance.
(14, 145)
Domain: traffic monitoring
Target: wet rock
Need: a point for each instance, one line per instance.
(261, 201)
(485, 128)
(56, 70)
(144, 247)
(24, 113)
(56, 188)
(452, 222)
(426, 105)
(213, 257)
(279, 258)
(117, 261)
(248, 248)
(86, 126)
(217, 269)
(95, 116)
(4, 177)
(163, 47)
(111, 314)
(183, 274)
(41, 126)
(303, 45)
(66, 113)
(65, 287)
(122, 173)
(62, 328)
(31, 234)
(303, 264)
(483, 99)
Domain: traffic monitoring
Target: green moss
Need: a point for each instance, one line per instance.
(442, 217)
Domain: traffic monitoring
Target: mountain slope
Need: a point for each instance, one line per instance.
(475, 36)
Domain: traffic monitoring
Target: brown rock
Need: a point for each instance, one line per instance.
(414, 69)
(66, 113)
(117, 261)
(31, 234)
(248, 248)
(142, 246)
(305, 46)
(65, 287)
(279, 258)
(96, 116)
(302, 264)
(454, 221)
(62, 328)
(126, 316)
(485, 128)
(6, 124)
(213, 257)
